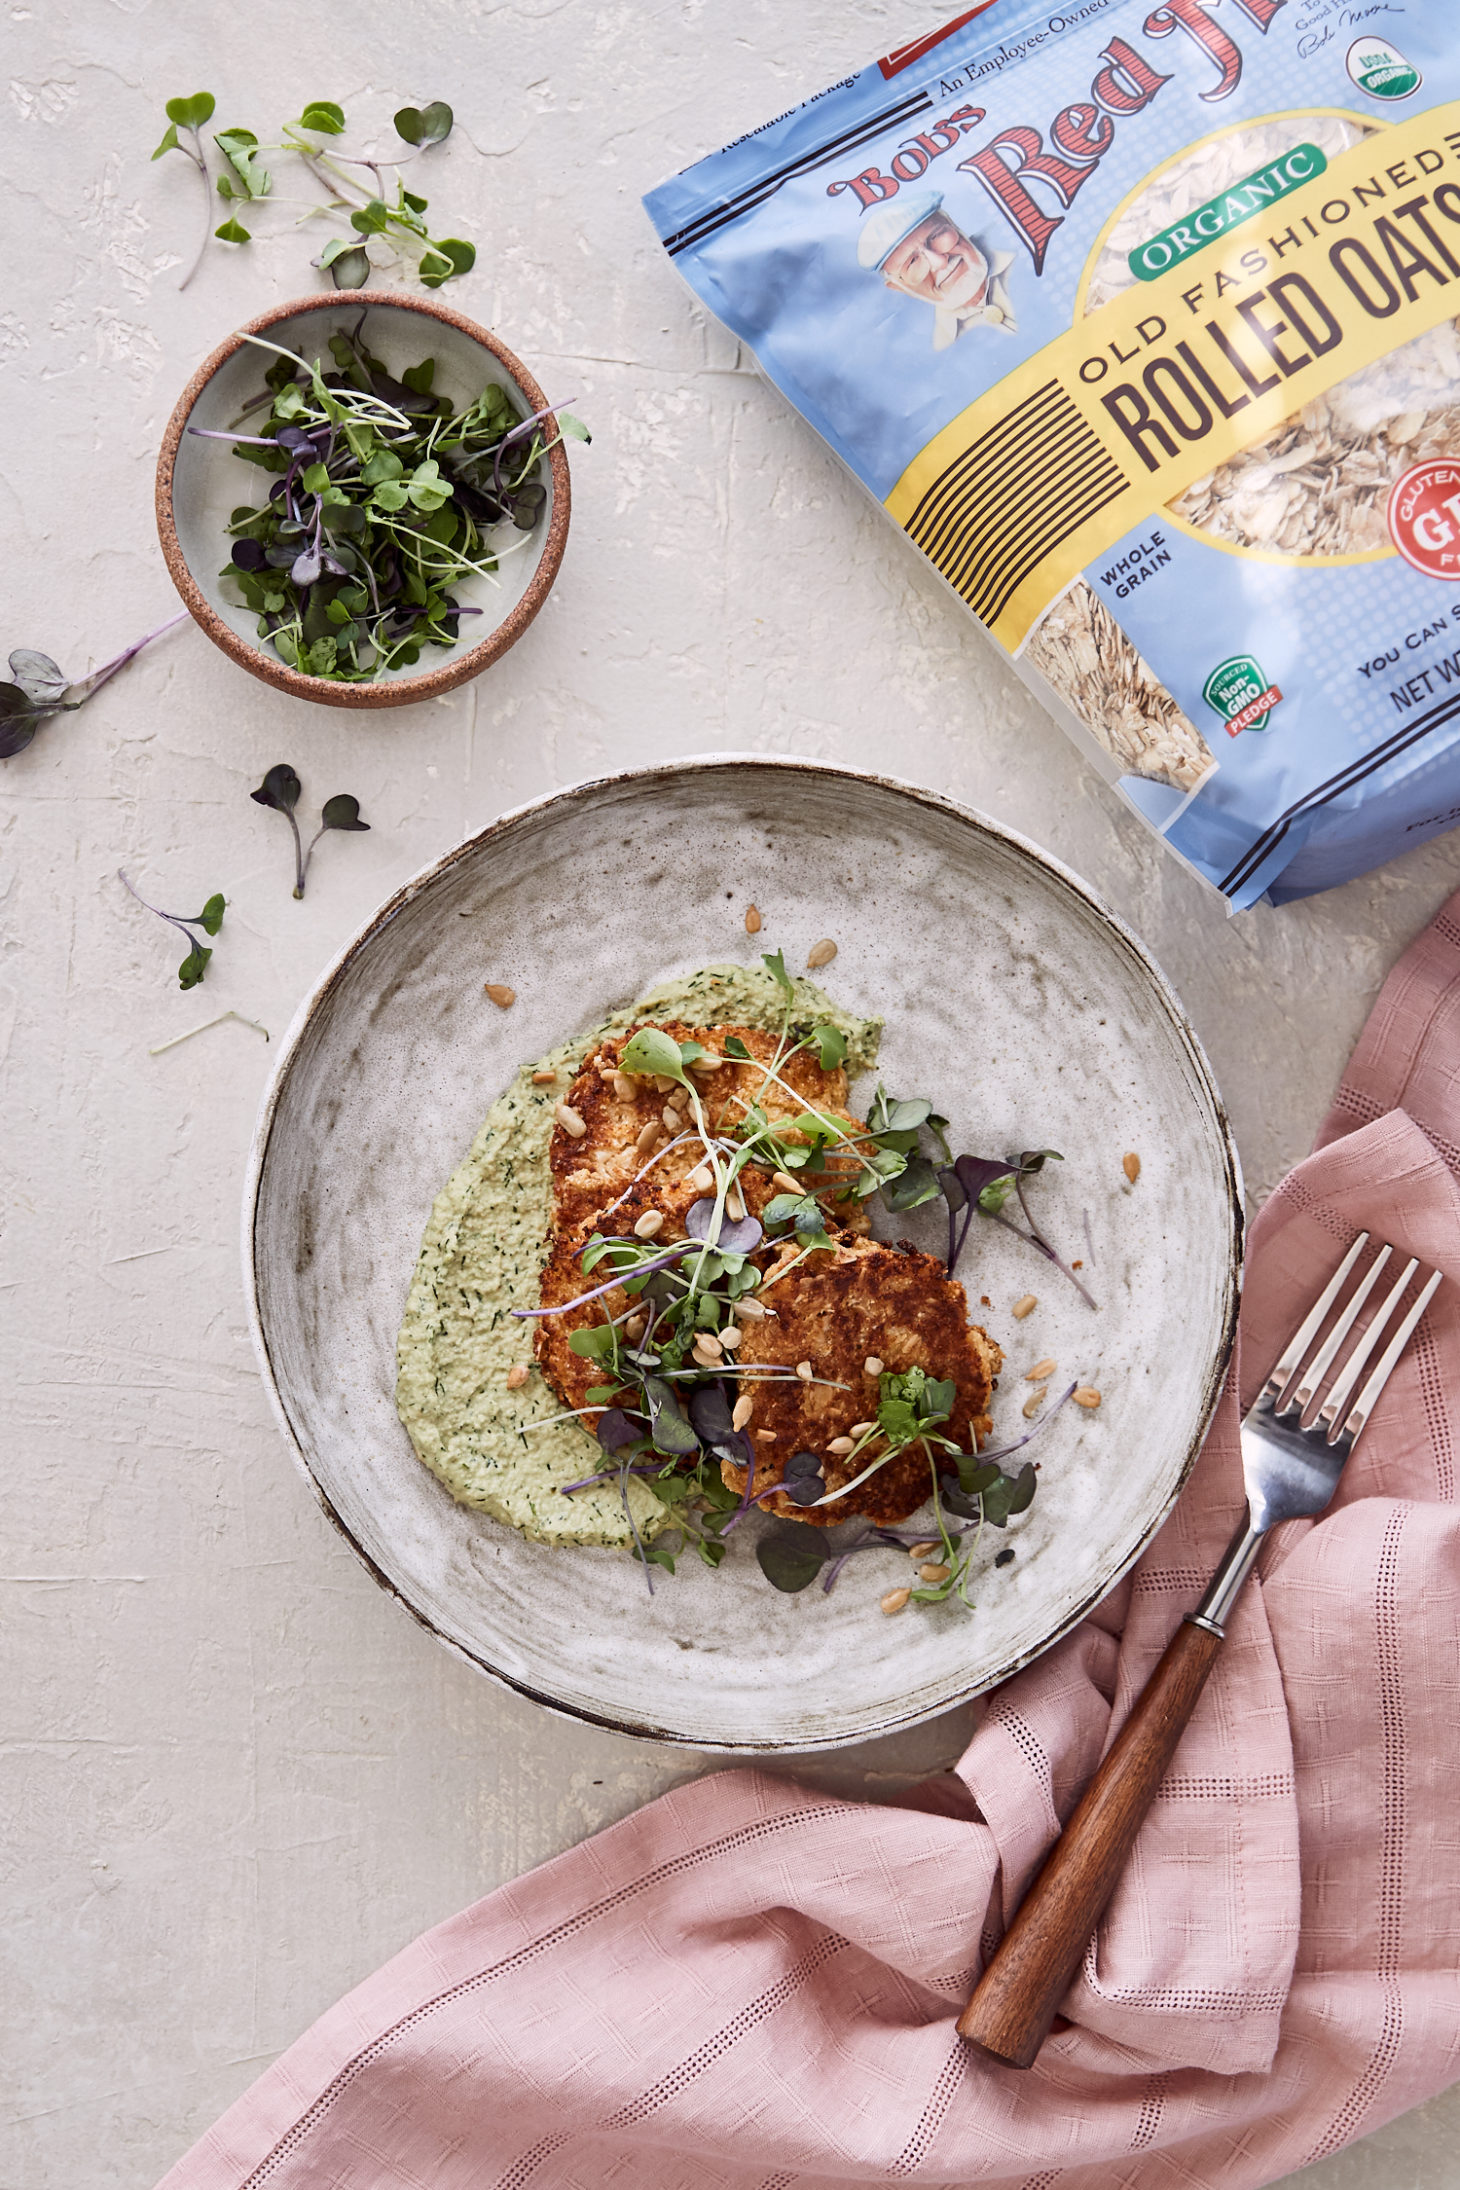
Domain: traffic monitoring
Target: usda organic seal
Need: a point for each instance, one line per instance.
(1381, 69)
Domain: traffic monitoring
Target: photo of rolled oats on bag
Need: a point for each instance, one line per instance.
(1143, 322)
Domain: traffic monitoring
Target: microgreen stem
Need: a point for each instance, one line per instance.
(1037, 1238)
(634, 1527)
(216, 433)
(183, 927)
(199, 159)
(642, 1269)
(609, 1475)
(298, 852)
(1043, 1423)
(208, 1024)
(643, 1173)
(787, 1267)
(98, 677)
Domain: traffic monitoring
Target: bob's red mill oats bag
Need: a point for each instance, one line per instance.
(1141, 321)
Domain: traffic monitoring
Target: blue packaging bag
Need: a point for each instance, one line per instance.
(1141, 321)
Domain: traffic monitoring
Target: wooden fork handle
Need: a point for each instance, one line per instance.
(1019, 1993)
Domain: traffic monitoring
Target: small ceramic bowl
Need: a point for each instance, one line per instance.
(200, 482)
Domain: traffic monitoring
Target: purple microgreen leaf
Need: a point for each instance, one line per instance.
(20, 719)
(614, 1430)
(280, 789)
(41, 679)
(790, 1555)
(709, 1411)
(734, 1236)
(981, 1176)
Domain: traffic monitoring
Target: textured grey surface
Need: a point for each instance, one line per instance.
(236, 1776)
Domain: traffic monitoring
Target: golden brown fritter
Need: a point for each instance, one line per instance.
(571, 1375)
(591, 1170)
(893, 1304)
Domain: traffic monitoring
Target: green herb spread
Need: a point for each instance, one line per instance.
(482, 1256)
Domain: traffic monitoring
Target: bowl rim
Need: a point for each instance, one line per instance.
(581, 793)
(399, 691)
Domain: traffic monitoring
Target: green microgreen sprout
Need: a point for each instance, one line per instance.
(801, 1142)
(41, 689)
(210, 920)
(189, 115)
(243, 178)
(373, 208)
(912, 1407)
(424, 125)
(280, 791)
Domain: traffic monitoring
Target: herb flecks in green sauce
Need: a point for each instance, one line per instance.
(482, 1256)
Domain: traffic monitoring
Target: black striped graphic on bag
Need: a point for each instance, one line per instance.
(765, 186)
(1012, 497)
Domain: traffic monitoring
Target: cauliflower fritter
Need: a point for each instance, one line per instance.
(591, 1170)
(892, 1304)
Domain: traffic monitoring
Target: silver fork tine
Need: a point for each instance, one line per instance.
(1337, 1401)
(1317, 1368)
(1312, 1323)
(1363, 1407)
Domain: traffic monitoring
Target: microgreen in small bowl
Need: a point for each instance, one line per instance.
(424, 576)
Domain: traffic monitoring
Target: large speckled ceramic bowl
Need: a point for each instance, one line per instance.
(1010, 994)
(200, 482)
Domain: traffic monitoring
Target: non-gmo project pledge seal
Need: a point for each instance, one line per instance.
(1424, 517)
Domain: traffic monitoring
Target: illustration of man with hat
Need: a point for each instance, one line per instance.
(920, 249)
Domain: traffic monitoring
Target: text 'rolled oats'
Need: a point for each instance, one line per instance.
(1151, 343)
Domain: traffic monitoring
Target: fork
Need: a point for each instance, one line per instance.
(1292, 1457)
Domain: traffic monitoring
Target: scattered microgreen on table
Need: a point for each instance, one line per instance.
(189, 116)
(210, 920)
(41, 689)
(280, 791)
(377, 211)
(386, 496)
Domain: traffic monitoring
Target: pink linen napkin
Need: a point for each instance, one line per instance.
(749, 1986)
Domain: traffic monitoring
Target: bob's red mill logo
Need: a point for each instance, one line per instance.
(1058, 161)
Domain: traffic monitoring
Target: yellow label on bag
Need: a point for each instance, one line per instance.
(1107, 424)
